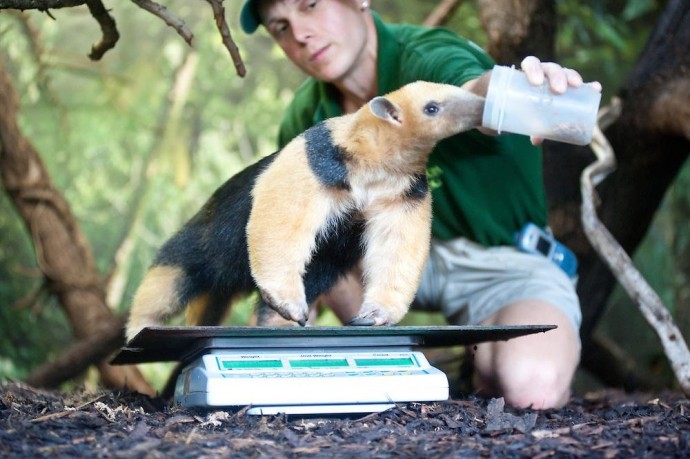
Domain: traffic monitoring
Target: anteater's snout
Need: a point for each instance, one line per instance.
(468, 111)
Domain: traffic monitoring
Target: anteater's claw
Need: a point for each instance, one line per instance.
(361, 322)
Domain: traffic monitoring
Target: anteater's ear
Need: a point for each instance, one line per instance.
(385, 109)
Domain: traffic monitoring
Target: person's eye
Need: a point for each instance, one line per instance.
(277, 29)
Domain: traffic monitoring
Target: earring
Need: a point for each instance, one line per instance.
(365, 5)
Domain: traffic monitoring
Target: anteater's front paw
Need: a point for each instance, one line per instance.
(372, 315)
(297, 312)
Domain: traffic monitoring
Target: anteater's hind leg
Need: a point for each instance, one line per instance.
(207, 310)
(156, 299)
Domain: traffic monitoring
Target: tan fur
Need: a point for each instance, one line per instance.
(196, 309)
(383, 157)
(387, 145)
(397, 237)
(281, 238)
(155, 299)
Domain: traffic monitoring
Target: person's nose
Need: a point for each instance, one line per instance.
(302, 31)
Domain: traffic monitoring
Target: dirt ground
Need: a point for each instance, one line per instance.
(608, 424)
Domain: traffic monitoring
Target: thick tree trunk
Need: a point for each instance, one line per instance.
(519, 28)
(62, 252)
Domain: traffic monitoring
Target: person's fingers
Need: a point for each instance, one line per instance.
(558, 77)
(595, 85)
(533, 69)
(555, 74)
(573, 77)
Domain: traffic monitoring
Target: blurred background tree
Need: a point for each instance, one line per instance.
(139, 140)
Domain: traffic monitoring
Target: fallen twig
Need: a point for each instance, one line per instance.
(67, 410)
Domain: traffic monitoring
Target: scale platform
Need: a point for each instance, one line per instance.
(307, 370)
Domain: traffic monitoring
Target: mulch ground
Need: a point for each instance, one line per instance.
(37, 423)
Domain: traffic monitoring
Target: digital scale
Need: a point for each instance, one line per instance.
(307, 370)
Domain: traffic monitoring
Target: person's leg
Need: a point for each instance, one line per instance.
(531, 371)
(502, 286)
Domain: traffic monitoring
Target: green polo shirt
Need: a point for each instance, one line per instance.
(483, 187)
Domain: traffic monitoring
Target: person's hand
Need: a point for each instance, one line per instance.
(559, 79)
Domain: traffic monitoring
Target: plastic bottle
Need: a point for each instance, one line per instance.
(514, 105)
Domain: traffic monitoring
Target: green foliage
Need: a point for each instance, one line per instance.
(603, 39)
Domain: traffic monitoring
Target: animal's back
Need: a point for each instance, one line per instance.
(211, 248)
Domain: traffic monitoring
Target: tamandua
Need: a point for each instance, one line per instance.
(351, 189)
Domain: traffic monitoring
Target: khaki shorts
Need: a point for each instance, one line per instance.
(468, 282)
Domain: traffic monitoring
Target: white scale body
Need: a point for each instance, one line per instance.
(308, 381)
(307, 370)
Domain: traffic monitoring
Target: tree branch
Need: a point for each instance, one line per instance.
(78, 357)
(163, 13)
(41, 5)
(108, 27)
(84, 353)
(442, 13)
(219, 16)
(619, 262)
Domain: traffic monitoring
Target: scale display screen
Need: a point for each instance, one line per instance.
(260, 363)
(249, 364)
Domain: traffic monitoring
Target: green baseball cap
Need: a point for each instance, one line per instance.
(249, 16)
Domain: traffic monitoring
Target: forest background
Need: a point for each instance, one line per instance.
(137, 142)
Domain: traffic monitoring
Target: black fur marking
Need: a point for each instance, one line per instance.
(326, 159)
(418, 188)
(336, 253)
(212, 250)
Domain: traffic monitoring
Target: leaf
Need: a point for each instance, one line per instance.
(636, 8)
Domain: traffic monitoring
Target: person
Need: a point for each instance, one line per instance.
(484, 186)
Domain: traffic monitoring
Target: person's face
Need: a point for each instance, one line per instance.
(324, 38)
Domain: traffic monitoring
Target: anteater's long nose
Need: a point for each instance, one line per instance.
(469, 111)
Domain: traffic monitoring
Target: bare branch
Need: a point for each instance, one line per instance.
(163, 13)
(39, 4)
(621, 265)
(86, 352)
(108, 27)
(219, 15)
(442, 13)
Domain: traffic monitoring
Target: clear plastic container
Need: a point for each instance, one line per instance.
(514, 105)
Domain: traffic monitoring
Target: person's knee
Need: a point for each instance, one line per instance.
(536, 384)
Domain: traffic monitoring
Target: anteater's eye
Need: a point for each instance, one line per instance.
(432, 108)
